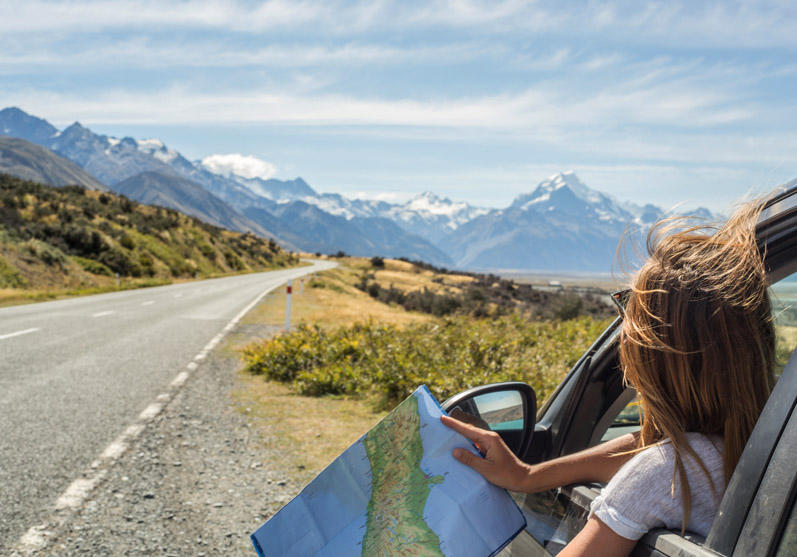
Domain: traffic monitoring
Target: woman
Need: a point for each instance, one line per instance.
(697, 344)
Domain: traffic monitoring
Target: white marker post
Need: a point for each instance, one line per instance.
(288, 306)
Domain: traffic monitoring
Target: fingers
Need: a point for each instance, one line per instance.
(471, 432)
(458, 414)
(469, 459)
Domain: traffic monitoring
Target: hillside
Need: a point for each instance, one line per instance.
(186, 196)
(71, 237)
(26, 160)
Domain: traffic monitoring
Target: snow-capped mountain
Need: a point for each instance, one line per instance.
(560, 225)
(565, 193)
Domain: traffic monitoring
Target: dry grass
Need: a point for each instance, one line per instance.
(332, 302)
(16, 296)
(312, 431)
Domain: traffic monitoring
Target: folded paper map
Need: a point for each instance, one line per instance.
(396, 491)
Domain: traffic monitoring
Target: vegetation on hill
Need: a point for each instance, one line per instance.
(505, 334)
(73, 238)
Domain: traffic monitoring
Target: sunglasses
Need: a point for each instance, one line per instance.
(620, 299)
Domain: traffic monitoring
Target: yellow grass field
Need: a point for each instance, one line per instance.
(330, 299)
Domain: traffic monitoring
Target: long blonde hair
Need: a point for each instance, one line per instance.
(697, 340)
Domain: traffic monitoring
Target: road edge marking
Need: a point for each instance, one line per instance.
(20, 333)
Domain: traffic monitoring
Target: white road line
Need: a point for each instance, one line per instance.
(178, 381)
(34, 539)
(151, 411)
(102, 313)
(77, 491)
(37, 537)
(178, 295)
(149, 303)
(19, 333)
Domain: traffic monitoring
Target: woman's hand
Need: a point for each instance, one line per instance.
(499, 466)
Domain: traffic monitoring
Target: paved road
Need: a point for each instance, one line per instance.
(75, 373)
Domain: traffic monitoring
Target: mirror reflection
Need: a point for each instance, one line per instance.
(502, 410)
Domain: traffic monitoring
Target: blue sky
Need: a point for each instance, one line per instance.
(665, 102)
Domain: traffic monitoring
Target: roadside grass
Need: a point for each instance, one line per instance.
(311, 431)
(13, 296)
(330, 299)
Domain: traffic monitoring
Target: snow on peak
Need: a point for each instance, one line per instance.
(236, 164)
(429, 203)
(157, 149)
(149, 144)
(551, 187)
(565, 192)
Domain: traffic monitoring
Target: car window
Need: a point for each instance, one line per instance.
(627, 421)
(784, 311)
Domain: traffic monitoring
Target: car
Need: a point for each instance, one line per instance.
(756, 516)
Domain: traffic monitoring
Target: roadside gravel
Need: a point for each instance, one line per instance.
(198, 481)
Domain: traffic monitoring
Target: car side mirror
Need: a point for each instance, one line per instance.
(508, 408)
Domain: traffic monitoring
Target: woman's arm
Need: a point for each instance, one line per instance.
(598, 540)
(501, 467)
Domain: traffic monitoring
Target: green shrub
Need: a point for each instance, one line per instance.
(10, 276)
(207, 250)
(127, 242)
(44, 252)
(91, 266)
(448, 355)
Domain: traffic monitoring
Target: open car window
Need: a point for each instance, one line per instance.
(625, 417)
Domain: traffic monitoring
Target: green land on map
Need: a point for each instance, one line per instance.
(399, 487)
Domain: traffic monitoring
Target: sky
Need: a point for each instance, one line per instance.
(667, 102)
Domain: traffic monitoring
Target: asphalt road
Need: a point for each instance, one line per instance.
(75, 373)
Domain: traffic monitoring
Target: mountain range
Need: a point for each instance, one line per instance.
(562, 225)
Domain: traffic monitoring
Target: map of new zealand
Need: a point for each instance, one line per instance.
(396, 491)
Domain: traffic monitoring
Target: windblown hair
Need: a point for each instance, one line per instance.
(697, 340)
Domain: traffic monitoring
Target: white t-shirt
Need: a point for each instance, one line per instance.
(640, 496)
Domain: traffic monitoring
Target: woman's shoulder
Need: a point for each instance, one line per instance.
(651, 471)
(640, 496)
(706, 447)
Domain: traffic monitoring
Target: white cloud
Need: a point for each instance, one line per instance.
(730, 24)
(91, 15)
(245, 166)
(146, 53)
(551, 107)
